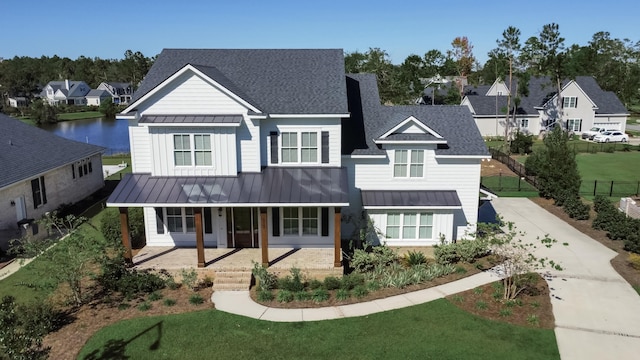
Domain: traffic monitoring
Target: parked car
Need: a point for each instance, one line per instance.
(591, 133)
(611, 136)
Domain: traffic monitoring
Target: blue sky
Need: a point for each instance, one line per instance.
(107, 28)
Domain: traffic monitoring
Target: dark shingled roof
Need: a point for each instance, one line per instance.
(277, 81)
(191, 119)
(274, 185)
(542, 89)
(413, 198)
(27, 151)
(369, 120)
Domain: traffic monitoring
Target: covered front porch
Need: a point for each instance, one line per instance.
(271, 211)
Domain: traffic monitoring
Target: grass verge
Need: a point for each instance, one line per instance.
(423, 331)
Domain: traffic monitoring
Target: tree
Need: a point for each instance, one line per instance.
(462, 54)
(108, 108)
(556, 168)
(509, 47)
(41, 112)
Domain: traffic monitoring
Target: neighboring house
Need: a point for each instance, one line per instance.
(18, 101)
(65, 92)
(95, 97)
(121, 93)
(280, 148)
(584, 105)
(40, 172)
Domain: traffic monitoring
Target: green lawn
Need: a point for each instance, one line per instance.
(436, 330)
(621, 167)
(79, 115)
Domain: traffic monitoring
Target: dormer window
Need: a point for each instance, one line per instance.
(408, 163)
(186, 155)
(299, 147)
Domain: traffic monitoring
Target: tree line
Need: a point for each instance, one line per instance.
(614, 63)
(25, 76)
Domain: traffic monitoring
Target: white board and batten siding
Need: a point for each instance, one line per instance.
(459, 174)
(223, 152)
(141, 156)
(248, 145)
(191, 94)
(279, 125)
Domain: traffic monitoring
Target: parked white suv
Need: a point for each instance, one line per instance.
(611, 136)
(591, 133)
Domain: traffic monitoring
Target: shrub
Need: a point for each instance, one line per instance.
(315, 284)
(576, 209)
(634, 261)
(265, 295)
(285, 296)
(533, 320)
(463, 250)
(331, 283)
(481, 305)
(373, 285)
(446, 254)
(265, 280)
(360, 291)
(145, 306)
(379, 256)
(412, 258)
(302, 296)
(196, 299)
(111, 230)
(320, 295)
(342, 294)
(169, 302)
(293, 282)
(505, 312)
(189, 278)
(22, 329)
(521, 144)
(352, 280)
(123, 306)
(154, 296)
(129, 282)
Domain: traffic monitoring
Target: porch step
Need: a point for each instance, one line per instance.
(232, 280)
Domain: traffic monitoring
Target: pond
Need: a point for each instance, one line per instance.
(109, 133)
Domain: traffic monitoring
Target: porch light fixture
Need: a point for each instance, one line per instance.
(220, 211)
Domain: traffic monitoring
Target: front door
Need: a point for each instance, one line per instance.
(242, 227)
(21, 209)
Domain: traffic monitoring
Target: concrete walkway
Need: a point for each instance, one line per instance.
(239, 302)
(597, 312)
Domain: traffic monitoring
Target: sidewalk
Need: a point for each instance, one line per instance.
(13, 267)
(239, 302)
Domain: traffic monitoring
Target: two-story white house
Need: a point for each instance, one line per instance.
(270, 148)
(68, 92)
(584, 105)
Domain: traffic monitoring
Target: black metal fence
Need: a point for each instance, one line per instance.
(588, 187)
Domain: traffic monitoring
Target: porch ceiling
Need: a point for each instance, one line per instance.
(277, 186)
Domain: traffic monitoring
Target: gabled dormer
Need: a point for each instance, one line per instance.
(410, 131)
(498, 88)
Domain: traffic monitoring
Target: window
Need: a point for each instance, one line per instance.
(413, 225)
(393, 226)
(174, 219)
(569, 102)
(199, 154)
(309, 221)
(408, 159)
(290, 221)
(182, 150)
(178, 220)
(202, 150)
(301, 221)
(524, 123)
(39, 192)
(289, 147)
(84, 167)
(299, 147)
(574, 124)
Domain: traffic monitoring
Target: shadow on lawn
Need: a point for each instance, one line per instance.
(116, 348)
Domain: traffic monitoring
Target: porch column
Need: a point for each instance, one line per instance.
(126, 239)
(264, 234)
(337, 246)
(197, 212)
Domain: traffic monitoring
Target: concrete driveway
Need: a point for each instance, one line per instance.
(597, 312)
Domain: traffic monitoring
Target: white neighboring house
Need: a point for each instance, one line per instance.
(280, 148)
(121, 92)
(18, 101)
(95, 97)
(68, 92)
(41, 171)
(584, 105)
